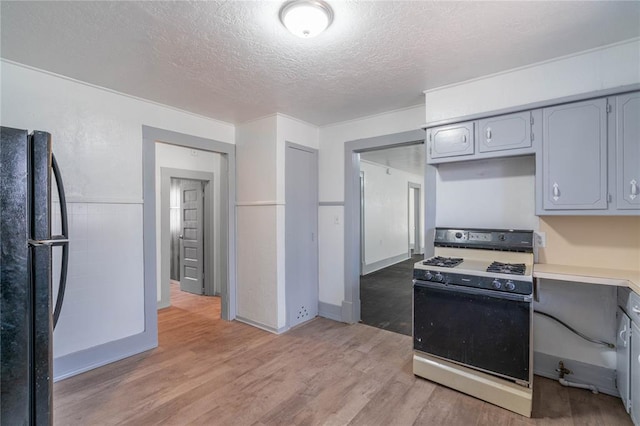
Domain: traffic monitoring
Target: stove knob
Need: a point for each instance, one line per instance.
(496, 284)
(428, 276)
(510, 285)
(439, 277)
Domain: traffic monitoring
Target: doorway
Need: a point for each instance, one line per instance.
(207, 266)
(390, 212)
(153, 220)
(190, 217)
(415, 219)
(351, 306)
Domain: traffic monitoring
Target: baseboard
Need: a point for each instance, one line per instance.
(601, 377)
(384, 263)
(348, 313)
(327, 310)
(162, 304)
(261, 326)
(79, 362)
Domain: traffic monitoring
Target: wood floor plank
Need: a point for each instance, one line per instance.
(602, 410)
(210, 372)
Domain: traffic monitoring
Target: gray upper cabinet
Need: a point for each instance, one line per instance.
(504, 132)
(452, 140)
(574, 148)
(628, 151)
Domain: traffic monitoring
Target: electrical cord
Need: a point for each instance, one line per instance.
(587, 338)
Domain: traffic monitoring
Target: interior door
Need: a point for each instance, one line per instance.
(301, 228)
(191, 237)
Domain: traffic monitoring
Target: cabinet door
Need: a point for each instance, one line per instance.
(574, 149)
(628, 151)
(505, 132)
(450, 141)
(635, 373)
(623, 356)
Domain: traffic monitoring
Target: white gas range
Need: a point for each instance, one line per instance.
(473, 315)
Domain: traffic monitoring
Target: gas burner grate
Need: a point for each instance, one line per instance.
(507, 268)
(444, 262)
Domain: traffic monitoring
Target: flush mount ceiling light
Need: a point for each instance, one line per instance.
(306, 18)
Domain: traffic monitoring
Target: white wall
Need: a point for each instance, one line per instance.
(331, 168)
(97, 140)
(260, 154)
(596, 69)
(257, 266)
(386, 214)
(178, 157)
(591, 309)
(496, 193)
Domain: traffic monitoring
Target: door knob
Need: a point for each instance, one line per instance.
(181, 237)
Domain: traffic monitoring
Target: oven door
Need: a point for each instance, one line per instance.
(483, 329)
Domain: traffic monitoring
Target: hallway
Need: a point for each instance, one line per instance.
(386, 295)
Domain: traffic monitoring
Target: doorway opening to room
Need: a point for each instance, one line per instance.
(192, 216)
(391, 216)
(206, 171)
(189, 230)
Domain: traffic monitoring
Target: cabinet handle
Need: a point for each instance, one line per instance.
(464, 138)
(635, 310)
(488, 134)
(624, 339)
(634, 189)
(556, 191)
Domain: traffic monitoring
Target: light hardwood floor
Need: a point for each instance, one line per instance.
(210, 372)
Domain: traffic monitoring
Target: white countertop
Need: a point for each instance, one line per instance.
(589, 275)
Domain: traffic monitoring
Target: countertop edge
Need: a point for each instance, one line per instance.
(620, 278)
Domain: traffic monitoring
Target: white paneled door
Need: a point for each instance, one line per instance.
(191, 237)
(301, 218)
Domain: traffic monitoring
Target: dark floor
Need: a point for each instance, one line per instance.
(385, 297)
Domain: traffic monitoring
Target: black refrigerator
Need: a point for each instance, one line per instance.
(27, 312)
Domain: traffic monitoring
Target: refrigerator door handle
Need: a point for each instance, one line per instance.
(62, 240)
(56, 240)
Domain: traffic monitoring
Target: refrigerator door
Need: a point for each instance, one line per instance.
(25, 195)
(15, 276)
(40, 207)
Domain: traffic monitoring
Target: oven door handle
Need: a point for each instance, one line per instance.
(475, 291)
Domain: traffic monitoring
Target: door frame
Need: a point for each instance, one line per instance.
(209, 247)
(288, 211)
(352, 150)
(414, 191)
(362, 223)
(151, 135)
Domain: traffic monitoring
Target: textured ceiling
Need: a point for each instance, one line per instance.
(233, 60)
(409, 158)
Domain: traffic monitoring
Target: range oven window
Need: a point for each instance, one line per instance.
(479, 328)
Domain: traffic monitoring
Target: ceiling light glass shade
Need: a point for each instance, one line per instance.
(306, 18)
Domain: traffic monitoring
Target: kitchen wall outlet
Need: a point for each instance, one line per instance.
(541, 239)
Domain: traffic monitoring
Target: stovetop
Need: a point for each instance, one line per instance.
(443, 262)
(499, 260)
(479, 267)
(507, 268)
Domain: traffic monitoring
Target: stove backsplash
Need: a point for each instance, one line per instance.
(496, 193)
